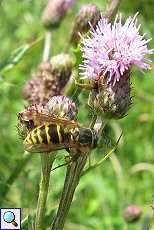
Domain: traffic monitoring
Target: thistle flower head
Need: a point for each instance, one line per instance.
(132, 213)
(55, 11)
(88, 13)
(112, 101)
(111, 50)
(49, 80)
(62, 106)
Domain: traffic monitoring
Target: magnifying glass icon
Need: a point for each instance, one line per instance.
(9, 217)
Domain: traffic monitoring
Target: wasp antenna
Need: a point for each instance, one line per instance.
(119, 138)
(66, 163)
(84, 85)
(115, 145)
(152, 207)
(74, 79)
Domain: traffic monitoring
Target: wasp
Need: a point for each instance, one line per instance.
(34, 116)
(49, 137)
(54, 133)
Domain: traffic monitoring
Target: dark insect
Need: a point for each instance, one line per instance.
(51, 136)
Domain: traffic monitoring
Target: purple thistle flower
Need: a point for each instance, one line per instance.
(111, 50)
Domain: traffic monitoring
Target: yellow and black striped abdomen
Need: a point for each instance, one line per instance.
(56, 133)
(46, 134)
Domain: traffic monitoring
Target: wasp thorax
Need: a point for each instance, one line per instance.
(112, 100)
(62, 106)
(49, 80)
(88, 137)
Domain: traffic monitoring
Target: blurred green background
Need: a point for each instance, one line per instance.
(126, 178)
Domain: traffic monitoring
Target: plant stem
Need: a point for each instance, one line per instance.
(47, 161)
(74, 171)
(71, 181)
(73, 174)
(47, 46)
(152, 227)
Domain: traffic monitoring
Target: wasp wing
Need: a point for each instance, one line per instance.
(39, 148)
(40, 118)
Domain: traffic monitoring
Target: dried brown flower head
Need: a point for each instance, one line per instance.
(49, 80)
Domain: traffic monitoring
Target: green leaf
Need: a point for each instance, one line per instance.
(16, 56)
(28, 222)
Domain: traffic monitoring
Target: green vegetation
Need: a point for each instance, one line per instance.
(104, 192)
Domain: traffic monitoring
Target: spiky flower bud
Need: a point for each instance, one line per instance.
(112, 101)
(62, 106)
(50, 79)
(87, 14)
(108, 56)
(55, 11)
(132, 213)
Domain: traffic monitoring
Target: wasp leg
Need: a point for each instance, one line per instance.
(59, 166)
(68, 150)
(85, 86)
(68, 160)
(74, 157)
(89, 160)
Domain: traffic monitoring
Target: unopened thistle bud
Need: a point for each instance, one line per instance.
(62, 106)
(50, 80)
(112, 101)
(108, 56)
(132, 213)
(87, 14)
(55, 11)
